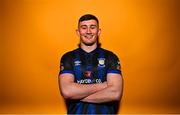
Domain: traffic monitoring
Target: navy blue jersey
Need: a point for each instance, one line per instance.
(90, 68)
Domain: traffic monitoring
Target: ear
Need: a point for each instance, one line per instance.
(99, 31)
(77, 32)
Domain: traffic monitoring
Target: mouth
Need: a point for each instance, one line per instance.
(88, 36)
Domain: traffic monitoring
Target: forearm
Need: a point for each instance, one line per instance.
(106, 95)
(79, 91)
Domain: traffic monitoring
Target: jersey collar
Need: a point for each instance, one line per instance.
(88, 53)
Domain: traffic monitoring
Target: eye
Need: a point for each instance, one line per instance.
(93, 26)
(83, 27)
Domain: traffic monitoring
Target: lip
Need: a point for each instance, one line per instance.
(88, 36)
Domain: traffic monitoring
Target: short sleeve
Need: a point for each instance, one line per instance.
(114, 65)
(66, 64)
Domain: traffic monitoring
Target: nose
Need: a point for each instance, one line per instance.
(88, 30)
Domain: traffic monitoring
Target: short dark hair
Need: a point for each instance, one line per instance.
(88, 17)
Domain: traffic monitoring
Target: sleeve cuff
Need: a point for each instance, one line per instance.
(114, 71)
(66, 71)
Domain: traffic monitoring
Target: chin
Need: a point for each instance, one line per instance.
(89, 44)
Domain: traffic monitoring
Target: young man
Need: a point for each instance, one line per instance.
(90, 77)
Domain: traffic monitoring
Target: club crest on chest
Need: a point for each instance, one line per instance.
(101, 62)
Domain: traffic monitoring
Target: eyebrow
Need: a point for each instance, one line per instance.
(89, 25)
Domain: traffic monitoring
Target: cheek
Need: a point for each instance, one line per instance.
(82, 32)
(94, 31)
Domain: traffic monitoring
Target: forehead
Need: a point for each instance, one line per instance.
(88, 22)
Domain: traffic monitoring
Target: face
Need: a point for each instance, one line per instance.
(88, 31)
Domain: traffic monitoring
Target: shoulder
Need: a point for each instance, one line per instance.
(69, 54)
(108, 53)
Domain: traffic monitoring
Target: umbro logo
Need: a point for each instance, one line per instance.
(76, 63)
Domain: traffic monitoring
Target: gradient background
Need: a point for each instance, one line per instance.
(145, 34)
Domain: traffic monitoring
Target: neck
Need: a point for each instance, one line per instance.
(88, 48)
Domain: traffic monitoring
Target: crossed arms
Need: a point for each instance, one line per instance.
(94, 93)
